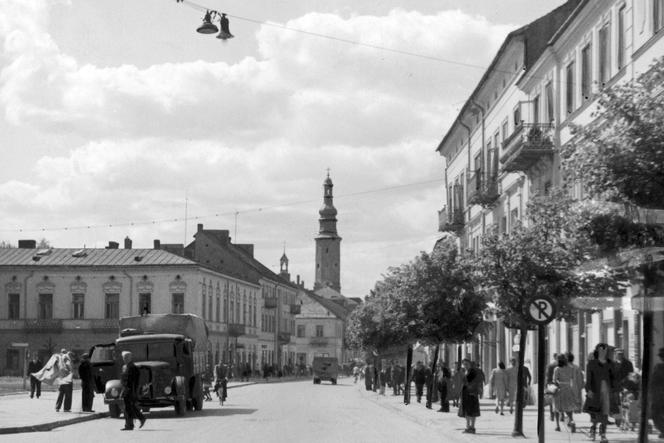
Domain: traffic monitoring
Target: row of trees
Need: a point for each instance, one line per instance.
(440, 297)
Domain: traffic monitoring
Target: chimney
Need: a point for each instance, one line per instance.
(127, 243)
(157, 244)
(297, 279)
(199, 227)
(27, 244)
(113, 245)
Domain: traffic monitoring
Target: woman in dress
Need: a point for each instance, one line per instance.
(470, 401)
(600, 387)
(564, 402)
(498, 386)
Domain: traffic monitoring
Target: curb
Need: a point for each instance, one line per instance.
(50, 426)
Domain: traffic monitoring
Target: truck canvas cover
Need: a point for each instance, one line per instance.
(189, 325)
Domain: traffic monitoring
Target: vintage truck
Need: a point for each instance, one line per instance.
(171, 352)
(325, 368)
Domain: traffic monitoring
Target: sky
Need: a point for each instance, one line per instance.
(117, 119)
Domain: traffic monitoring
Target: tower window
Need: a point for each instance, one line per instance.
(327, 250)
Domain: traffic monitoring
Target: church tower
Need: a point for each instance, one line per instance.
(328, 243)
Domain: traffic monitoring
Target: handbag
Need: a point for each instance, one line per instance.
(551, 389)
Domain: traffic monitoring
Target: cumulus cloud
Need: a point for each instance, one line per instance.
(253, 137)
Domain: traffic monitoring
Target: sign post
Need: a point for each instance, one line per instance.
(541, 310)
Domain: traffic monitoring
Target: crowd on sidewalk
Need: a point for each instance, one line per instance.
(608, 390)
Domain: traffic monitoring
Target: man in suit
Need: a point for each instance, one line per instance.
(35, 365)
(130, 380)
(87, 383)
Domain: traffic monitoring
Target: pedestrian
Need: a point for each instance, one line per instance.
(397, 378)
(482, 376)
(35, 365)
(601, 400)
(512, 374)
(549, 380)
(564, 400)
(578, 382)
(130, 381)
(87, 383)
(657, 387)
(65, 381)
(369, 377)
(470, 401)
(383, 378)
(457, 384)
(443, 383)
(498, 386)
(420, 378)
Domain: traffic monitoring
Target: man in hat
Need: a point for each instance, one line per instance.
(35, 365)
(130, 380)
(87, 383)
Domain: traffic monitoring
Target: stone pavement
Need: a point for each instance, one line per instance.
(20, 413)
(491, 426)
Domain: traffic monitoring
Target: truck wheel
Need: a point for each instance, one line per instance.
(180, 407)
(114, 410)
(334, 381)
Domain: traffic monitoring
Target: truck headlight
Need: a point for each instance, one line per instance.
(114, 392)
(167, 390)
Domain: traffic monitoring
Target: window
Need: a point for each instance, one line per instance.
(536, 110)
(217, 313)
(505, 129)
(622, 21)
(604, 55)
(177, 303)
(231, 318)
(569, 88)
(514, 217)
(14, 308)
(78, 307)
(658, 14)
(586, 72)
(13, 359)
(548, 92)
(45, 306)
(517, 116)
(319, 330)
(112, 306)
(145, 303)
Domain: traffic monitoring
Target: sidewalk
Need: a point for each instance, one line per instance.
(20, 413)
(491, 426)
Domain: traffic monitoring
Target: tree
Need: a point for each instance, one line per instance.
(620, 157)
(538, 258)
(43, 244)
(5, 245)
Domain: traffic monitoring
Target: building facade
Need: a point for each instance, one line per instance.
(72, 298)
(504, 146)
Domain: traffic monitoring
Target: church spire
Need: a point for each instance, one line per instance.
(328, 242)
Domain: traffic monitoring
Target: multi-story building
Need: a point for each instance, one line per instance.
(261, 324)
(73, 298)
(504, 145)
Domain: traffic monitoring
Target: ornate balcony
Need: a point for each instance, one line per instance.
(529, 143)
(284, 337)
(473, 184)
(318, 341)
(236, 329)
(271, 303)
(450, 221)
(487, 193)
(296, 309)
(43, 326)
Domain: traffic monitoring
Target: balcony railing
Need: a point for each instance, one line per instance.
(236, 329)
(284, 337)
(318, 341)
(43, 325)
(12, 324)
(271, 302)
(104, 324)
(295, 309)
(487, 193)
(529, 143)
(450, 221)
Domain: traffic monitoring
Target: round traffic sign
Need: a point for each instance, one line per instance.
(541, 309)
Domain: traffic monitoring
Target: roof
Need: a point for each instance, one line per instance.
(90, 257)
(536, 35)
(330, 305)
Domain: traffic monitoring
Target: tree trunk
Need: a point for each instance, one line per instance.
(433, 375)
(406, 385)
(518, 416)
